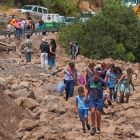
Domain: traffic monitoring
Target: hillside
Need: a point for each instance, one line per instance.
(63, 7)
(32, 87)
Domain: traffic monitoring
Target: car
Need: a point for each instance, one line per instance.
(63, 18)
(33, 10)
(69, 20)
(83, 19)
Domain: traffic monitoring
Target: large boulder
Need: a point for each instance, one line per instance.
(27, 103)
(27, 125)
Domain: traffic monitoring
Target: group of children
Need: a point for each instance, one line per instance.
(114, 80)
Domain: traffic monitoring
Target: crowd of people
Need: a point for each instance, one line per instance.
(17, 27)
(101, 84)
(47, 48)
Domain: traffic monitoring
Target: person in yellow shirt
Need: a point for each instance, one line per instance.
(12, 23)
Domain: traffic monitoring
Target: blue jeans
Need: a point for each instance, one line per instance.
(23, 32)
(18, 33)
(69, 88)
(28, 56)
(52, 62)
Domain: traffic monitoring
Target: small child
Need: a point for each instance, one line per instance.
(82, 108)
(9, 27)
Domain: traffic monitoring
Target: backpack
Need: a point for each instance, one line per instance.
(78, 51)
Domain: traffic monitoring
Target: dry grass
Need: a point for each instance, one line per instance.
(18, 14)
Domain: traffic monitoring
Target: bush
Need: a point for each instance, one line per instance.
(114, 32)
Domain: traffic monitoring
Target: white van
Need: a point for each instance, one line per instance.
(33, 9)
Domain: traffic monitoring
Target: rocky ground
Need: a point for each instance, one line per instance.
(31, 109)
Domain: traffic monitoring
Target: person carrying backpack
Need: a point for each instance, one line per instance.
(75, 51)
(70, 52)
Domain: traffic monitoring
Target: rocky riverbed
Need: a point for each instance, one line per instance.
(31, 108)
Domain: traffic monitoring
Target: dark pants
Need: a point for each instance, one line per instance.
(28, 56)
(69, 88)
(18, 33)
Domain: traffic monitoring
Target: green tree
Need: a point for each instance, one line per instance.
(114, 32)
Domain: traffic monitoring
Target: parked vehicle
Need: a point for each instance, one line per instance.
(52, 20)
(69, 20)
(32, 9)
(63, 18)
(135, 4)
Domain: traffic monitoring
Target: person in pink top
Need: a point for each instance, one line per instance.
(18, 26)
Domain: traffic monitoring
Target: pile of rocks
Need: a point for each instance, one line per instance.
(33, 89)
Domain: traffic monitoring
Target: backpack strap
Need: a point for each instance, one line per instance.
(70, 72)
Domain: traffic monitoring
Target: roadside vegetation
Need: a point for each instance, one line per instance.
(114, 32)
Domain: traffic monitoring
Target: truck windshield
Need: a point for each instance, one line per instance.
(26, 7)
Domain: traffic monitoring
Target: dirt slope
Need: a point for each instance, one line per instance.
(10, 116)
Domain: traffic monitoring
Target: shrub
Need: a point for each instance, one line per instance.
(114, 32)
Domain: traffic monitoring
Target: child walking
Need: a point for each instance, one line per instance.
(82, 108)
(124, 85)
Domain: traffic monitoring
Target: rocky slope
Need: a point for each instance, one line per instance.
(32, 88)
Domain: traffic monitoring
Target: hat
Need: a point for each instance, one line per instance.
(44, 39)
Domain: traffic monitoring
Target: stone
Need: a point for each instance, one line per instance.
(10, 94)
(137, 121)
(40, 92)
(31, 95)
(27, 125)
(21, 93)
(24, 84)
(131, 113)
(127, 106)
(12, 80)
(117, 132)
(71, 135)
(137, 134)
(61, 110)
(27, 103)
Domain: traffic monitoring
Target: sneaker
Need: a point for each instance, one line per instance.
(84, 130)
(88, 126)
(98, 131)
(93, 131)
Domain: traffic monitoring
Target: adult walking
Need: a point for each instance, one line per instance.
(75, 50)
(70, 79)
(44, 47)
(52, 53)
(89, 72)
(70, 52)
(23, 28)
(111, 79)
(27, 48)
(95, 87)
(41, 24)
